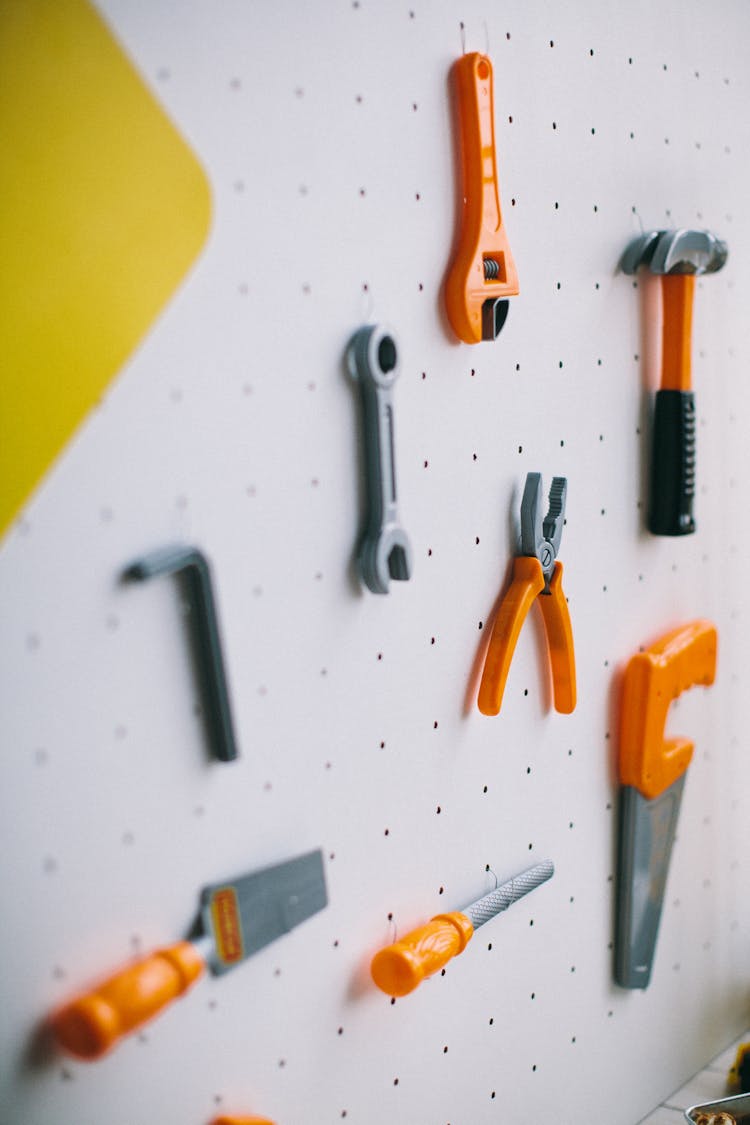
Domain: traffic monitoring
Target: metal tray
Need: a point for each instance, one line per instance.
(738, 1106)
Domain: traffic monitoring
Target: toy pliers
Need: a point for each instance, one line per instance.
(537, 574)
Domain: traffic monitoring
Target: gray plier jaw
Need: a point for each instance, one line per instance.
(541, 535)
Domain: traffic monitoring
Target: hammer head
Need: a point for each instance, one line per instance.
(675, 251)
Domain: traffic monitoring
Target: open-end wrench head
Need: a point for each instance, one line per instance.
(639, 252)
(689, 252)
(387, 557)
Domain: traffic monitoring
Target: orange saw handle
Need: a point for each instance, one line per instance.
(91, 1024)
(400, 967)
(686, 656)
(482, 235)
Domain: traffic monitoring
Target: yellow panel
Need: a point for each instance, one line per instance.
(103, 208)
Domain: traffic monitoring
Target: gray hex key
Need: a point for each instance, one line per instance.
(385, 551)
(193, 565)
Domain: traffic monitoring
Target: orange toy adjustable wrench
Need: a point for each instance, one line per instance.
(482, 274)
(537, 576)
(652, 773)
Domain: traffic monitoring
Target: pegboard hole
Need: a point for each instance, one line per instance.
(441, 891)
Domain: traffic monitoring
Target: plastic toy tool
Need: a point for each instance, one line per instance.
(399, 968)
(482, 275)
(196, 572)
(237, 918)
(677, 256)
(537, 576)
(232, 1119)
(385, 551)
(652, 772)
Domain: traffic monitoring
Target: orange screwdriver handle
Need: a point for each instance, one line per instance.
(92, 1024)
(400, 967)
(559, 631)
(482, 235)
(528, 582)
(687, 656)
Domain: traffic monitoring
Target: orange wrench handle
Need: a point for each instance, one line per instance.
(399, 968)
(528, 582)
(677, 322)
(680, 659)
(90, 1025)
(482, 234)
(559, 631)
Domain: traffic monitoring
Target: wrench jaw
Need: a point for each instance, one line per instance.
(385, 557)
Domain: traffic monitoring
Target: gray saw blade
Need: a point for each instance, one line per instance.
(243, 915)
(647, 831)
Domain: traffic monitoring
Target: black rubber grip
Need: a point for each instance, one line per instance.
(673, 464)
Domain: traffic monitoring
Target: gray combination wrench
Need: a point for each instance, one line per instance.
(385, 551)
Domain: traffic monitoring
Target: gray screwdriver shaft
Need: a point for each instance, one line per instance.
(506, 894)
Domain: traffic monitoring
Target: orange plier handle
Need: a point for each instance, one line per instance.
(526, 587)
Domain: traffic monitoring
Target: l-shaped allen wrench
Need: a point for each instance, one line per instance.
(193, 564)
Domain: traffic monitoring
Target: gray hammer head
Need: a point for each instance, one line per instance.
(675, 251)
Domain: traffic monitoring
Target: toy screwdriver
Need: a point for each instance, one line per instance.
(537, 574)
(399, 968)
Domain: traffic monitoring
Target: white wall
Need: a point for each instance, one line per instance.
(325, 132)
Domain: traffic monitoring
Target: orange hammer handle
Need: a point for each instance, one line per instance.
(654, 678)
(400, 967)
(677, 323)
(90, 1025)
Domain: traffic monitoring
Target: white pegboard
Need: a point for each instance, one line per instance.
(324, 129)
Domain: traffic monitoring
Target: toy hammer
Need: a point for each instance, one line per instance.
(678, 256)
